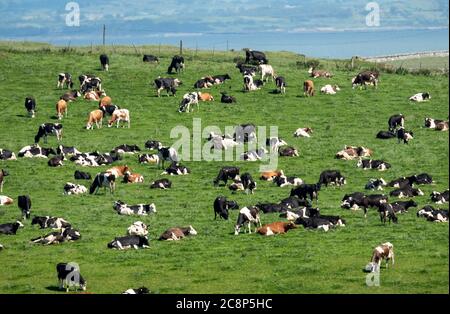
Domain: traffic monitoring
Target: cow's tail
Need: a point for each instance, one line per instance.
(94, 186)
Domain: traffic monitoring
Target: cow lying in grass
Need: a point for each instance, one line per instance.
(177, 233)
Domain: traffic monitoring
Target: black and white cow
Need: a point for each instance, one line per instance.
(69, 275)
(55, 237)
(24, 203)
(406, 191)
(64, 79)
(104, 62)
(395, 121)
(365, 78)
(227, 173)
(403, 135)
(148, 158)
(275, 143)
(108, 109)
(247, 216)
(7, 154)
(167, 154)
(177, 64)
(56, 161)
(375, 184)
(153, 144)
(288, 151)
(189, 99)
(387, 212)
(294, 202)
(245, 183)
(128, 242)
(272, 208)
(30, 105)
(126, 149)
(150, 58)
(103, 179)
(220, 79)
(138, 228)
(331, 177)
(161, 184)
(305, 190)
(139, 209)
(167, 84)
(227, 99)
(315, 223)
(176, 169)
(440, 198)
(80, 175)
(280, 82)
(283, 181)
(50, 222)
(373, 164)
(432, 123)
(141, 290)
(403, 206)
(70, 96)
(204, 82)
(47, 129)
(35, 151)
(74, 189)
(431, 214)
(420, 97)
(254, 155)
(67, 150)
(10, 228)
(89, 82)
(246, 69)
(222, 205)
(253, 56)
(384, 135)
(245, 133)
(356, 200)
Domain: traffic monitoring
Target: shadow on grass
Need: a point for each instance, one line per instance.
(55, 288)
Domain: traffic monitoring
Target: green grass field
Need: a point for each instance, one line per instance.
(217, 261)
(432, 63)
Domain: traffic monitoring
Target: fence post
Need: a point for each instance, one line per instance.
(104, 34)
(181, 47)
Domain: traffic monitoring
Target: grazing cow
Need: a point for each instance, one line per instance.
(276, 228)
(222, 205)
(305, 190)
(90, 83)
(254, 155)
(245, 183)
(440, 198)
(375, 184)
(128, 242)
(139, 209)
(365, 78)
(280, 82)
(61, 109)
(168, 84)
(226, 99)
(254, 56)
(303, 132)
(50, 222)
(315, 223)
(35, 151)
(70, 96)
(266, 72)
(404, 135)
(79, 175)
(385, 252)
(271, 175)
(373, 164)
(64, 79)
(420, 97)
(10, 228)
(138, 228)
(189, 99)
(387, 212)
(395, 121)
(177, 64)
(104, 61)
(105, 101)
(330, 89)
(24, 203)
(148, 158)
(126, 149)
(319, 73)
(226, 173)
(150, 58)
(176, 169)
(141, 290)
(356, 200)
(432, 214)
(308, 88)
(402, 207)
(3, 174)
(332, 177)
(161, 184)
(205, 96)
(167, 154)
(95, 116)
(47, 129)
(120, 115)
(7, 154)
(245, 133)
(103, 179)
(74, 189)
(30, 105)
(152, 144)
(56, 161)
(353, 152)
(384, 135)
(247, 216)
(132, 178)
(69, 275)
(5, 200)
(283, 181)
(177, 233)
(288, 151)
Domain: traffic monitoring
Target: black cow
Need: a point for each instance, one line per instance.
(65, 79)
(220, 79)
(358, 199)
(56, 161)
(272, 208)
(150, 58)
(104, 61)
(30, 105)
(226, 173)
(246, 69)
(402, 207)
(248, 182)
(258, 57)
(80, 175)
(440, 198)
(331, 177)
(387, 211)
(70, 96)
(47, 129)
(126, 149)
(161, 184)
(400, 183)
(130, 241)
(222, 205)
(176, 169)
(384, 135)
(280, 82)
(375, 184)
(177, 64)
(69, 275)
(24, 203)
(108, 109)
(423, 178)
(295, 202)
(226, 99)
(7, 154)
(10, 228)
(167, 84)
(406, 191)
(395, 121)
(403, 135)
(305, 190)
(103, 179)
(288, 151)
(366, 78)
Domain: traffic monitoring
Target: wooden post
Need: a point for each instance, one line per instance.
(181, 47)
(227, 44)
(104, 34)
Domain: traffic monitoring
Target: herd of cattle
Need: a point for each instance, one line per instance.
(297, 208)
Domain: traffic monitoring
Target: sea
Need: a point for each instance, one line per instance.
(322, 44)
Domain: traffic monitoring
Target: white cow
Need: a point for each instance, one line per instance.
(266, 70)
(330, 89)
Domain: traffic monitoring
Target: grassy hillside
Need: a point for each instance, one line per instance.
(217, 261)
(434, 63)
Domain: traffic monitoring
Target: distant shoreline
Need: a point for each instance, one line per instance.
(405, 56)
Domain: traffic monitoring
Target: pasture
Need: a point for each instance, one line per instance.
(217, 261)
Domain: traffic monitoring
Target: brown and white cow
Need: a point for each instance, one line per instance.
(319, 73)
(94, 95)
(303, 132)
(308, 88)
(270, 175)
(119, 171)
(385, 252)
(205, 96)
(276, 228)
(95, 116)
(61, 109)
(120, 115)
(353, 152)
(132, 177)
(105, 101)
(5, 200)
